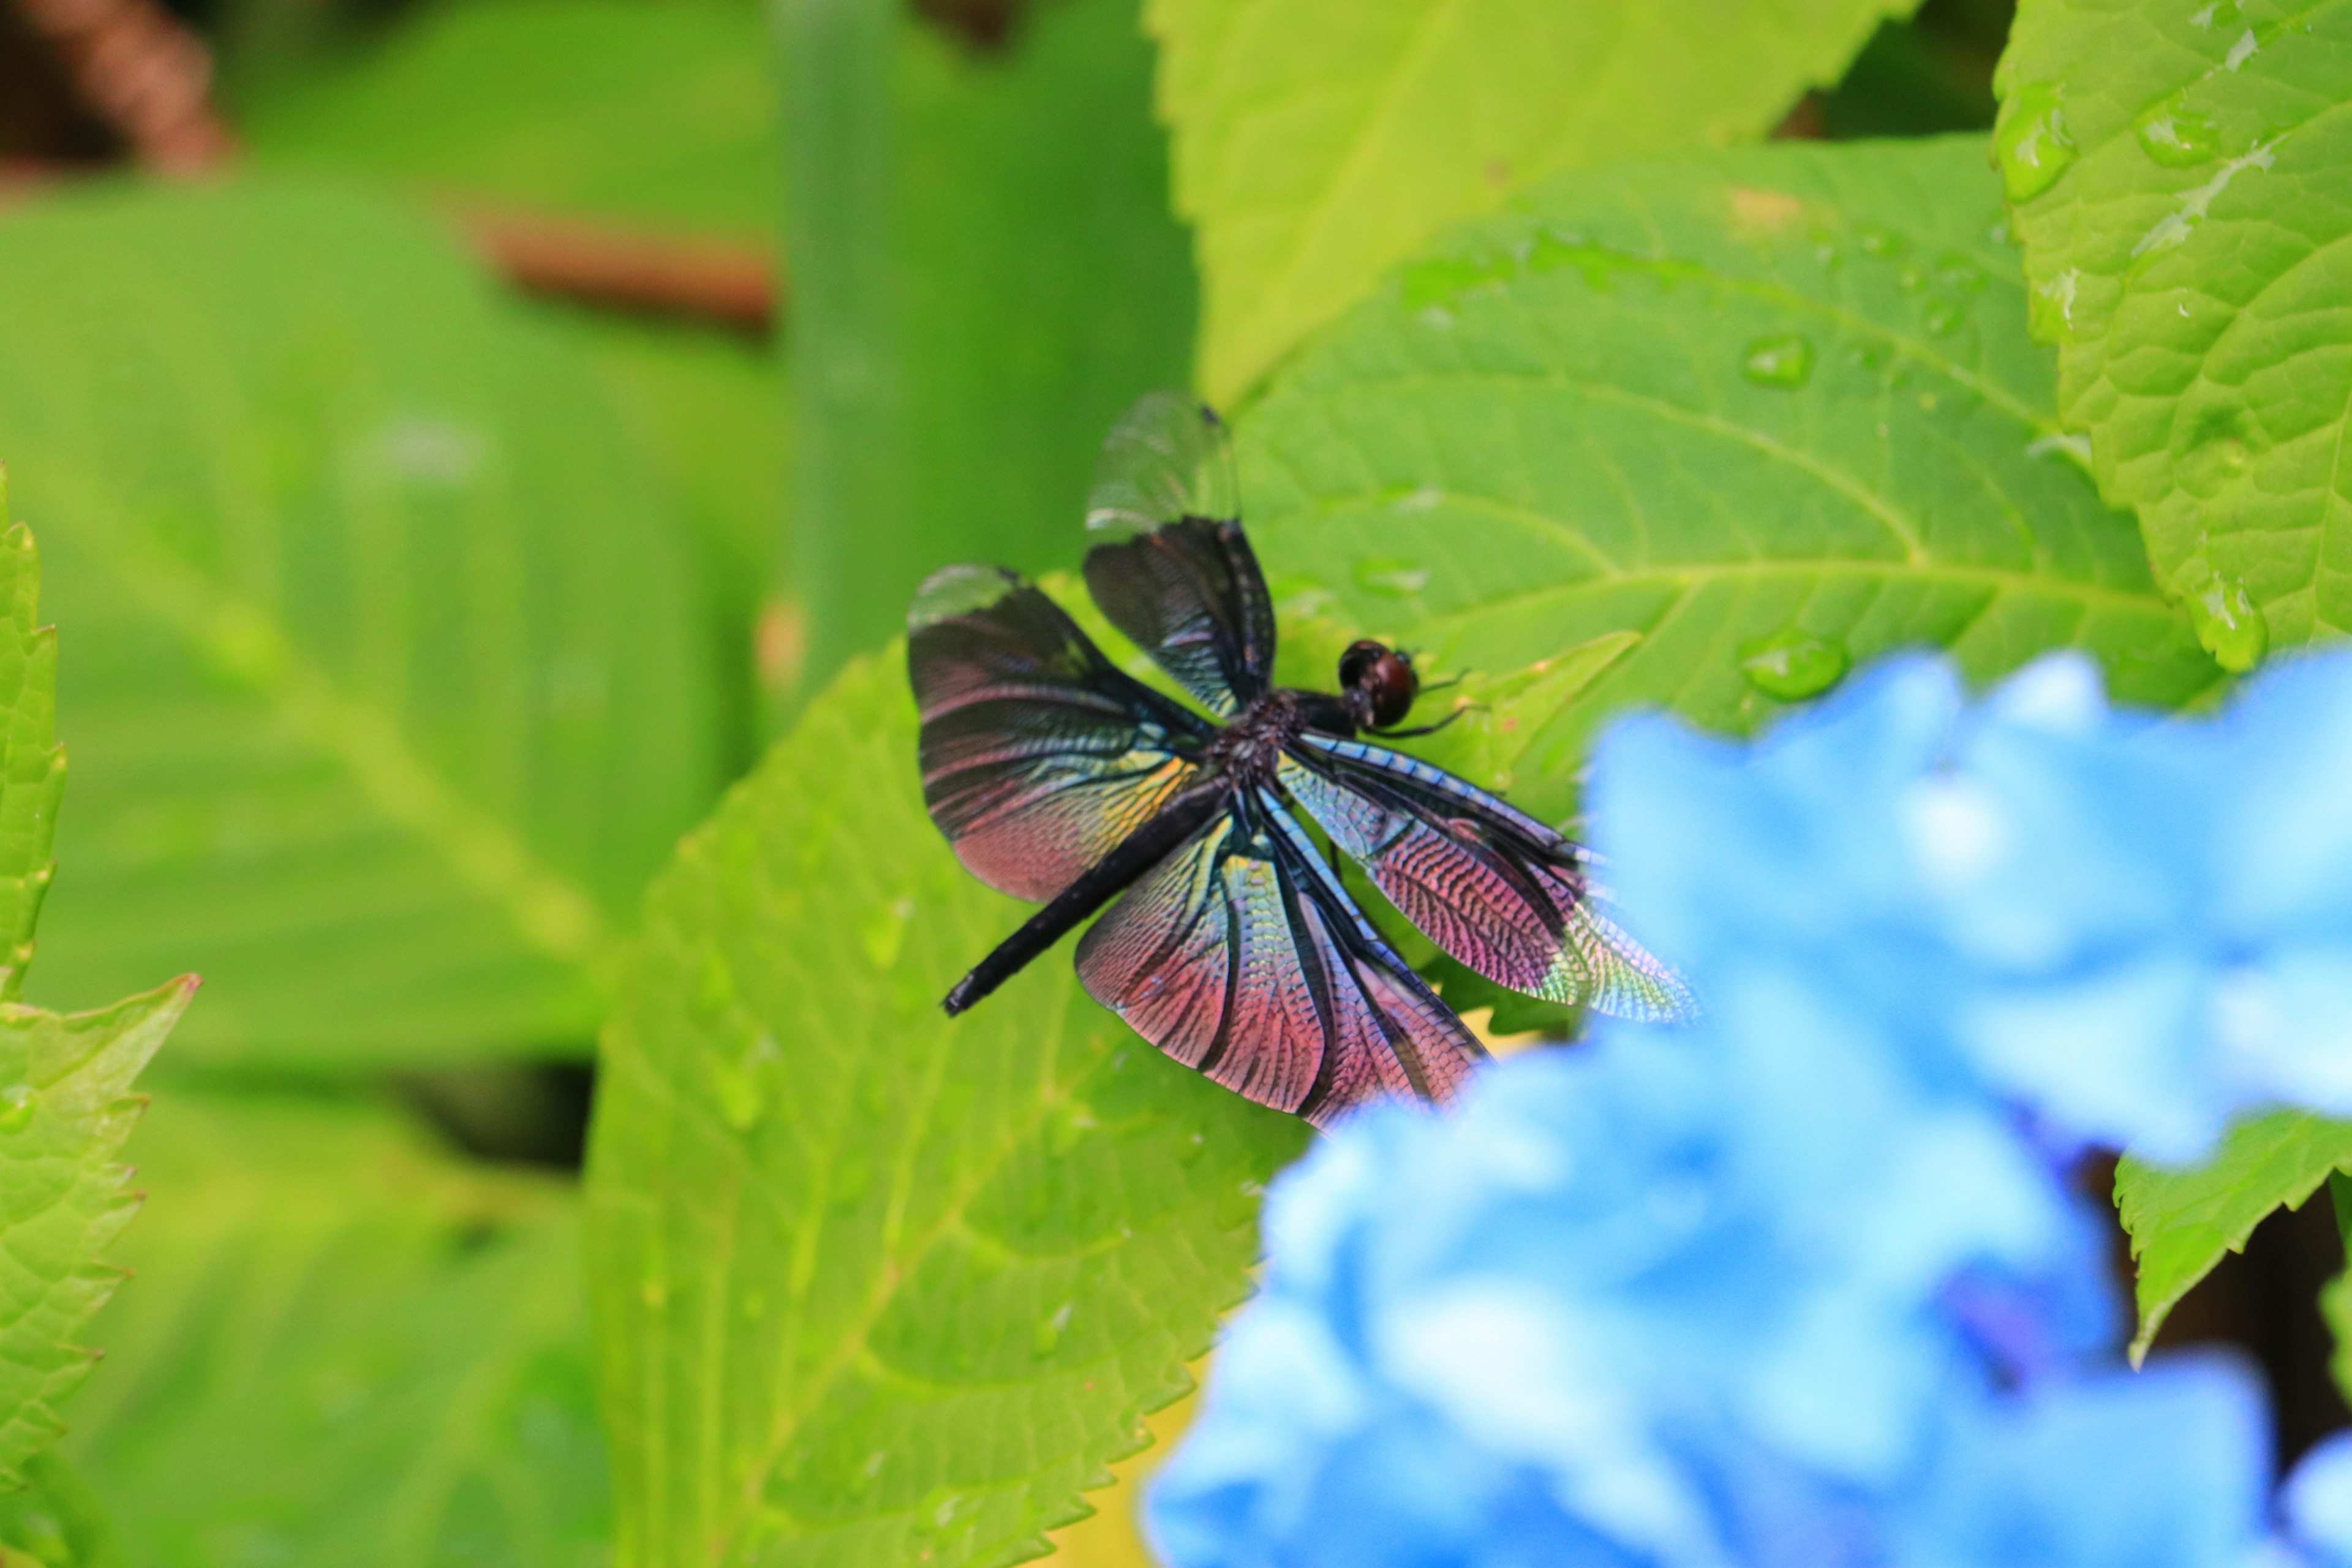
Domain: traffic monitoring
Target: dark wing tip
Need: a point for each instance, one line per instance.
(959, 590)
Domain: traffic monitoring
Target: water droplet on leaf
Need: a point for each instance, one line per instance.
(1792, 665)
(1785, 359)
(1049, 1330)
(2050, 309)
(2031, 141)
(1882, 243)
(1193, 1146)
(1391, 575)
(1944, 316)
(18, 1103)
(2177, 139)
(2228, 623)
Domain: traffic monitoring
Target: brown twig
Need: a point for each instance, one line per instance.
(734, 285)
(143, 72)
(724, 283)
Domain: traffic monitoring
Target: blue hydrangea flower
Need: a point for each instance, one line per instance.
(1802, 1284)
(1568, 1324)
(2156, 916)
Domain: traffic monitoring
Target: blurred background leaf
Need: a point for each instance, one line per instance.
(344, 1346)
(662, 115)
(1320, 141)
(984, 274)
(390, 689)
(1770, 413)
(874, 1285)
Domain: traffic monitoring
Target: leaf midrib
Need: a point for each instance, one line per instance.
(548, 912)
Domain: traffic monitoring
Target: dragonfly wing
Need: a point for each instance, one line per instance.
(1173, 570)
(1038, 756)
(1500, 891)
(1234, 959)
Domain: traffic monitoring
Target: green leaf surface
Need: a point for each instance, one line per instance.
(2182, 1220)
(66, 1106)
(57, 1520)
(342, 1345)
(391, 690)
(650, 114)
(32, 763)
(1319, 142)
(875, 1286)
(2181, 175)
(984, 275)
(2335, 1295)
(709, 410)
(1704, 432)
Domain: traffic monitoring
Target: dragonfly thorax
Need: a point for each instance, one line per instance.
(1246, 750)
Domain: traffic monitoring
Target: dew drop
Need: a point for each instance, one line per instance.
(1194, 1145)
(2031, 141)
(2050, 309)
(1785, 359)
(1944, 316)
(2177, 139)
(2228, 621)
(1882, 243)
(1048, 1335)
(18, 1103)
(1393, 576)
(1792, 665)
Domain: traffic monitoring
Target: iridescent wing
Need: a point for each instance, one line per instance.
(1240, 955)
(1038, 754)
(1174, 571)
(1499, 891)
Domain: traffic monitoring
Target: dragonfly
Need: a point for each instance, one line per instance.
(1231, 942)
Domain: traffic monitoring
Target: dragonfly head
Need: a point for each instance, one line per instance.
(1380, 683)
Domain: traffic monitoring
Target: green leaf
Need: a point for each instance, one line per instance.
(66, 1106)
(58, 1521)
(660, 115)
(2182, 1220)
(875, 1286)
(984, 275)
(32, 763)
(342, 1346)
(707, 409)
(2335, 1295)
(393, 692)
(2181, 176)
(1717, 427)
(1319, 142)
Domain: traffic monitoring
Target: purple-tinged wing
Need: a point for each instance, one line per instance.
(1500, 891)
(1038, 756)
(1239, 956)
(1173, 570)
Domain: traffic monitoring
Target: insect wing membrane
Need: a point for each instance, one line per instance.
(1493, 887)
(1037, 755)
(1173, 570)
(1167, 459)
(1226, 958)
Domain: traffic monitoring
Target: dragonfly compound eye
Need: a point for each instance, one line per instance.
(1393, 686)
